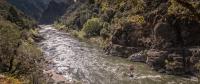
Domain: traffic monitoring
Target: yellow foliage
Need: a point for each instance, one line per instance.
(80, 34)
(177, 9)
(104, 6)
(9, 80)
(136, 19)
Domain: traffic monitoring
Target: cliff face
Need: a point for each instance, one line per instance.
(166, 32)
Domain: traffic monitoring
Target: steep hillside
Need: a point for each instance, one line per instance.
(162, 33)
(34, 8)
(54, 11)
(43, 11)
(19, 56)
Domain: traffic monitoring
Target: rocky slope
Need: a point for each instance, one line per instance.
(164, 34)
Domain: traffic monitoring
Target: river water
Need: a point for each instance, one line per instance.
(78, 62)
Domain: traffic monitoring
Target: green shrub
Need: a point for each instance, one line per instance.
(105, 31)
(104, 6)
(19, 57)
(108, 15)
(92, 27)
(9, 41)
(16, 55)
(30, 55)
(82, 18)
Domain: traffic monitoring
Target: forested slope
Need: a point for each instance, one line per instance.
(19, 56)
(33, 8)
(43, 11)
(162, 33)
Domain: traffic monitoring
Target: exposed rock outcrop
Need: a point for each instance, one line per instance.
(156, 58)
(172, 61)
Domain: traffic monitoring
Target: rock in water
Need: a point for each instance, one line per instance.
(138, 57)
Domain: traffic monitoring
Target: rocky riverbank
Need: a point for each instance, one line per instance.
(73, 61)
(170, 61)
(163, 34)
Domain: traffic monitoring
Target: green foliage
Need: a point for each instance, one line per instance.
(10, 39)
(19, 19)
(104, 6)
(30, 55)
(19, 56)
(92, 27)
(13, 25)
(9, 35)
(60, 26)
(8, 12)
(105, 32)
(84, 16)
(108, 15)
(12, 51)
(77, 18)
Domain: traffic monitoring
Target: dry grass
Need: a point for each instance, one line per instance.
(9, 80)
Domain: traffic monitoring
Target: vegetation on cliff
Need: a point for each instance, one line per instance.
(166, 31)
(19, 56)
(43, 11)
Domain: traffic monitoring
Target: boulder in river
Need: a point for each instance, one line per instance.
(121, 51)
(138, 57)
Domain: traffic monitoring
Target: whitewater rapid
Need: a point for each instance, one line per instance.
(80, 62)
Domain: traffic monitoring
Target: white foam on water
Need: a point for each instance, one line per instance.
(78, 61)
(149, 76)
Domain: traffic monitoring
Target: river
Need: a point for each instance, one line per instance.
(79, 62)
